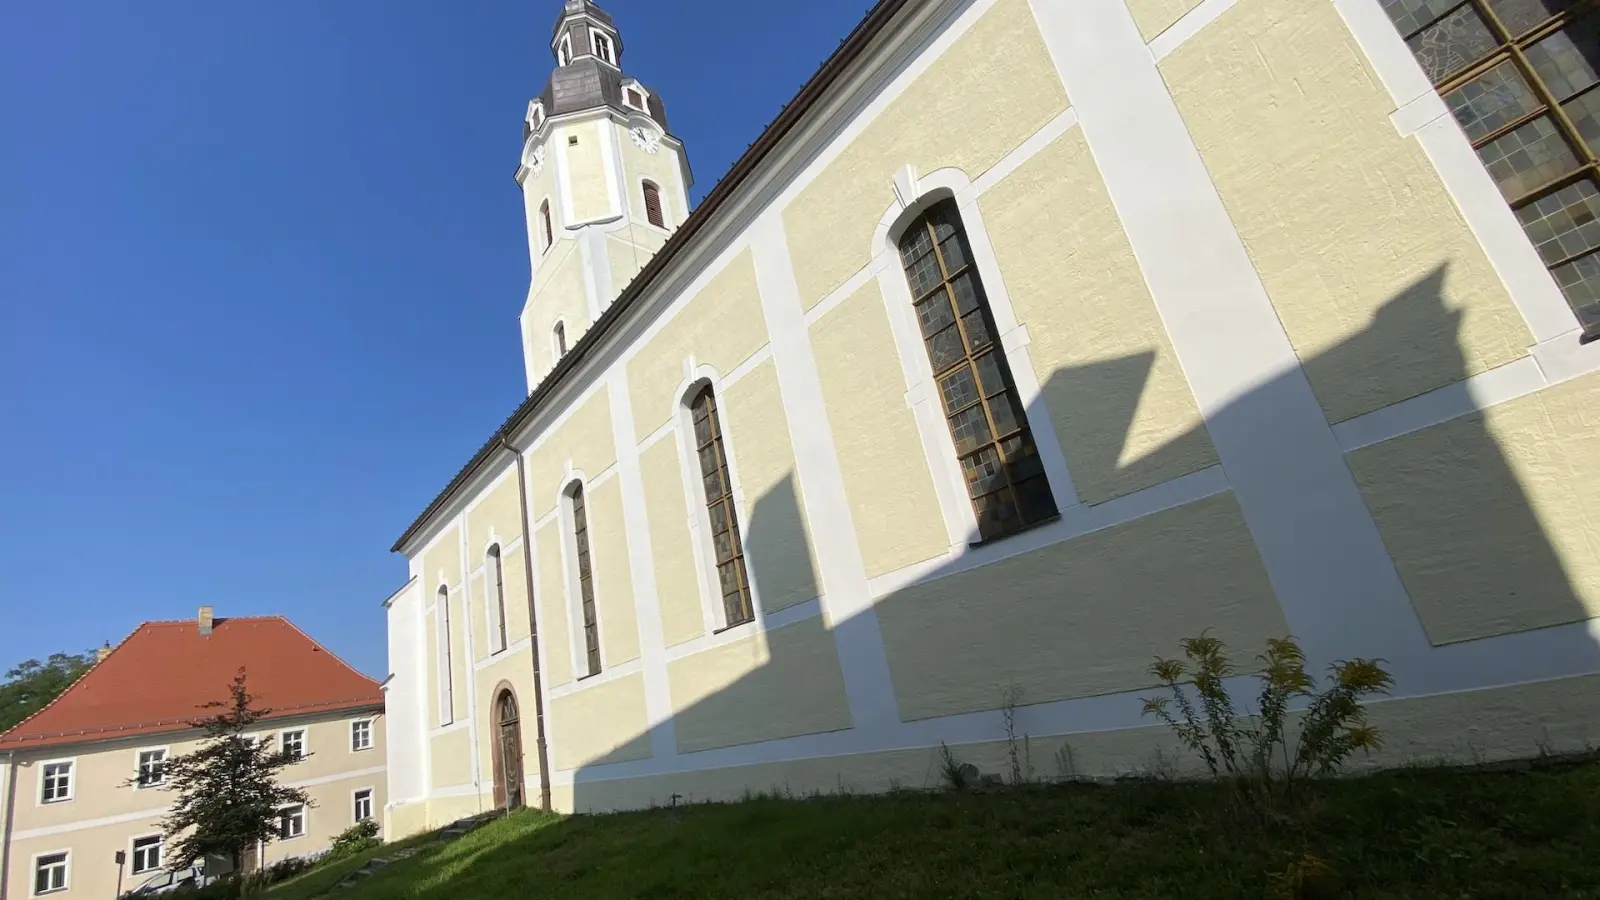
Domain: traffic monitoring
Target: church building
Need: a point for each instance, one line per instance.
(1030, 338)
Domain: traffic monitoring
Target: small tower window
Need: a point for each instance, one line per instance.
(560, 337)
(652, 205)
(564, 51)
(544, 223)
(603, 47)
(633, 97)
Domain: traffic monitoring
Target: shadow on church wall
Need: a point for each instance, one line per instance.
(781, 697)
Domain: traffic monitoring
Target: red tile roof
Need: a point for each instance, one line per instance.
(160, 675)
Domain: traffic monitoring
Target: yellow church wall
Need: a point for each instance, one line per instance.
(1369, 265)
(898, 520)
(779, 683)
(441, 563)
(551, 597)
(587, 177)
(1490, 516)
(677, 585)
(777, 532)
(1156, 16)
(1123, 411)
(585, 439)
(986, 94)
(516, 596)
(599, 725)
(450, 759)
(613, 576)
(721, 326)
(1082, 617)
(628, 251)
(497, 515)
(1560, 715)
(558, 295)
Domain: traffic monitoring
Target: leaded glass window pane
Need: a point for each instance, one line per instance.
(993, 445)
(726, 547)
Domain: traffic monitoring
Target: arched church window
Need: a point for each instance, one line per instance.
(497, 599)
(446, 688)
(580, 540)
(559, 335)
(546, 225)
(727, 549)
(652, 205)
(1004, 476)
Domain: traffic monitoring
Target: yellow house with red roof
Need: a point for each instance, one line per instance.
(81, 780)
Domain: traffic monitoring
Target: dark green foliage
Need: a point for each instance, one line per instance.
(228, 792)
(360, 837)
(30, 686)
(1408, 835)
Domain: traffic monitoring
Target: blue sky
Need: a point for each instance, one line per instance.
(260, 265)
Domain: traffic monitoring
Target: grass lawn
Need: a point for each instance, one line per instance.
(1419, 833)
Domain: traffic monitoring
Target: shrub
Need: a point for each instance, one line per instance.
(1256, 752)
(357, 838)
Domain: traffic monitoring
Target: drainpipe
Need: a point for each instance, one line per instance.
(540, 745)
(5, 827)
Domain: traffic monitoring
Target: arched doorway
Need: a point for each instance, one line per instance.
(508, 781)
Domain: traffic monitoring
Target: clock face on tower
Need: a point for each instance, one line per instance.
(645, 139)
(538, 160)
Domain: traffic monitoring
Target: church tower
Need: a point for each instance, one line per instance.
(603, 181)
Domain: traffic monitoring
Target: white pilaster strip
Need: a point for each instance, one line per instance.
(641, 559)
(847, 604)
(1334, 578)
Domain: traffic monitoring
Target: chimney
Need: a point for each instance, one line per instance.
(204, 620)
(101, 654)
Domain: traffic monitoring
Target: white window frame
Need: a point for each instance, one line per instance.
(535, 114)
(354, 724)
(133, 853)
(597, 39)
(446, 692)
(305, 741)
(564, 50)
(494, 589)
(355, 803)
(558, 333)
(304, 816)
(138, 767)
(66, 873)
(72, 780)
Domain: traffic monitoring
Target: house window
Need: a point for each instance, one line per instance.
(564, 51)
(363, 810)
(727, 549)
(652, 205)
(50, 873)
(146, 854)
(152, 767)
(57, 782)
(1523, 81)
(294, 743)
(360, 735)
(497, 599)
(546, 226)
(1003, 473)
(559, 337)
(446, 690)
(591, 621)
(603, 47)
(633, 97)
(291, 822)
